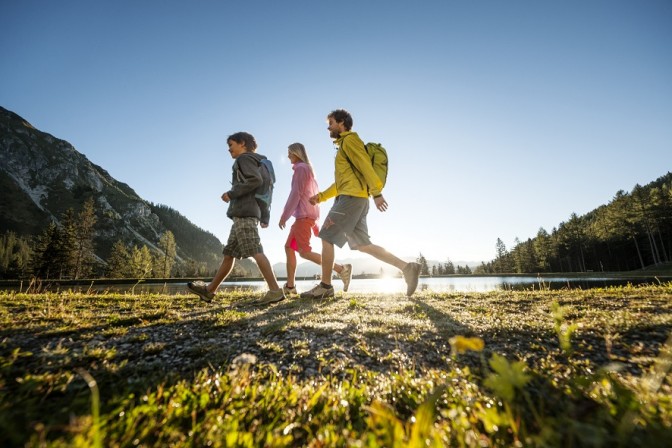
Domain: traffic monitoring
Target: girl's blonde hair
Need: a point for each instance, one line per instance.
(299, 151)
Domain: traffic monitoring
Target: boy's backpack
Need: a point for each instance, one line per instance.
(265, 191)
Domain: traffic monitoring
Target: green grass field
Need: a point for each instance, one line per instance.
(533, 368)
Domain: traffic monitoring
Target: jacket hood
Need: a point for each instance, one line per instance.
(254, 155)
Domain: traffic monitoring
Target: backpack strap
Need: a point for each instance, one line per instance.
(352, 165)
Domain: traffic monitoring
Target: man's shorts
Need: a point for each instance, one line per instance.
(299, 235)
(346, 222)
(244, 239)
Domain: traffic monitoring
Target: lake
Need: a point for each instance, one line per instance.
(469, 283)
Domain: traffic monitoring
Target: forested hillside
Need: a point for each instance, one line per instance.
(62, 216)
(633, 231)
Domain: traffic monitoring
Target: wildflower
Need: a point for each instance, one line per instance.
(461, 344)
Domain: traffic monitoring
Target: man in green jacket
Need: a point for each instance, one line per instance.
(355, 181)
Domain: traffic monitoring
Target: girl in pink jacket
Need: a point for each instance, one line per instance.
(304, 186)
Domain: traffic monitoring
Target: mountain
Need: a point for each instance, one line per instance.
(42, 176)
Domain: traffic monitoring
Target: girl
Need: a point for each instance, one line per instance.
(306, 214)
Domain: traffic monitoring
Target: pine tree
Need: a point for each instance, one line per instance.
(424, 268)
(167, 259)
(141, 262)
(68, 243)
(118, 265)
(50, 255)
(15, 256)
(542, 250)
(501, 263)
(84, 250)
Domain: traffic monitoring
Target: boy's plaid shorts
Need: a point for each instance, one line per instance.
(244, 238)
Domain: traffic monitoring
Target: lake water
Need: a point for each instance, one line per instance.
(385, 285)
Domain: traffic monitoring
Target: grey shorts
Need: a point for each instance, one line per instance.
(244, 238)
(346, 222)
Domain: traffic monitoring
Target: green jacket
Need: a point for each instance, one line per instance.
(353, 171)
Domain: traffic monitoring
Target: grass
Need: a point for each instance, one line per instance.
(526, 368)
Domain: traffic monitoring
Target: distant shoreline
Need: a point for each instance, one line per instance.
(665, 275)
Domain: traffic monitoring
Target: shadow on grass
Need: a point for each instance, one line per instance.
(132, 345)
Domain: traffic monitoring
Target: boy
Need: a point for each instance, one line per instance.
(246, 212)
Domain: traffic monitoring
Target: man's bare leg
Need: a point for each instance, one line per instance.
(383, 255)
(328, 255)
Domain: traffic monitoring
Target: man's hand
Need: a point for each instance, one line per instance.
(263, 226)
(225, 197)
(381, 203)
(314, 199)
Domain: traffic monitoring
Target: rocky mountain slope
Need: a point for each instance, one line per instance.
(42, 176)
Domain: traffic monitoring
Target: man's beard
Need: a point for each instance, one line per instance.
(334, 134)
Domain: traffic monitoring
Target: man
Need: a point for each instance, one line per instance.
(346, 222)
(246, 212)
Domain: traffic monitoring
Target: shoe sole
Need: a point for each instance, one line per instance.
(347, 285)
(323, 296)
(413, 286)
(200, 295)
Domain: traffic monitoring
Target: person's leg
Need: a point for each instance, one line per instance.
(383, 255)
(249, 245)
(344, 271)
(328, 255)
(317, 259)
(223, 272)
(359, 240)
(411, 271)
(311, 256)
(334, 232)
(291, 267)
(206, 291)
(266, 270)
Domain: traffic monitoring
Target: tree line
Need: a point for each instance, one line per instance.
(66, 251)
(633, 231)
(439, 269)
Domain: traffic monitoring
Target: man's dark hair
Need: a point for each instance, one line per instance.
(342, 116)
(245, 138)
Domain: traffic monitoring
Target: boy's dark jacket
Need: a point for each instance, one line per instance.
(245, 180)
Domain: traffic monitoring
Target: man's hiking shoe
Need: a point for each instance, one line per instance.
(289, 291)
(411, 274)
(318, 292)
(200, 289)
(346, 275)
(270, 297)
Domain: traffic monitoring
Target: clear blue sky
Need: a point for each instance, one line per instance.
(500, 117)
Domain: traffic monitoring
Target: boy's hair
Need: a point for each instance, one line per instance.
(342, 116)
(245, 138)
(299, 151)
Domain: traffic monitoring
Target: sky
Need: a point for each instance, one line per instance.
(499, 117)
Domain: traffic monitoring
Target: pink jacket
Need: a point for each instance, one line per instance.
(304, 186)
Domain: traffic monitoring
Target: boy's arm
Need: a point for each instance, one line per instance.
(265, 213)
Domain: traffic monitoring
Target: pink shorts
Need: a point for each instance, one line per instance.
(300, 233)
